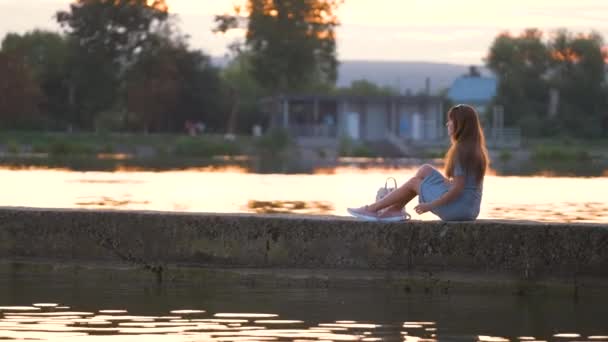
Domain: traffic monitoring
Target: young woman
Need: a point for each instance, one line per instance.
(455, 198)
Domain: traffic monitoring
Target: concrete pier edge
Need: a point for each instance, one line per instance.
(311, 251)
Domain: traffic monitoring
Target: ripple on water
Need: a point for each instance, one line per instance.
(48, 323)
(19, 308)
(187, 312)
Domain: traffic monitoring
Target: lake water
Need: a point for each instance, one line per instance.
(83, 311)
(325, 192)
(51, 308)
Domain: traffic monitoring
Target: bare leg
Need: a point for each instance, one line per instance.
(397, 199)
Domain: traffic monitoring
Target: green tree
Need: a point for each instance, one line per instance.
(170, 84)
(21, 94)
(243, 94)
(46, 54)
(521, 64)
(200, 91)
(573, 66)
(579, 76)
(292, 42)
(106, 37)
(153, 89)
(115, 29)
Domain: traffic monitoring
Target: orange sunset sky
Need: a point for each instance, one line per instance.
(409, 30)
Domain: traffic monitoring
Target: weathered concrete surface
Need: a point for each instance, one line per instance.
(520, 251)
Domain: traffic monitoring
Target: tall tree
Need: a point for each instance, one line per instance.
(243, 94)
(106, 37)
(570, 67)
(579, 76)
(46, 54)
(116, 29)
(292, 42)
(171, 84)
(521, 64)
(152, 88)
(21, 94)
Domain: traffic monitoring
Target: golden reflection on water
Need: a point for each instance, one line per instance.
(183, 325)
(549, 199)
(107, 202)
(483, 338)
(114, 156)
(290, 207)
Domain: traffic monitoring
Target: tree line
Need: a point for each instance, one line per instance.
(123, 65)
(556, 86)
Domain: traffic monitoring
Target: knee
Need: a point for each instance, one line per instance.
(424, 171)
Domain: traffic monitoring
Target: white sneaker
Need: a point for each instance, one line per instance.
(401, 217)
(363, 213)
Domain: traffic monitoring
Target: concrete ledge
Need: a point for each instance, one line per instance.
(528, 252)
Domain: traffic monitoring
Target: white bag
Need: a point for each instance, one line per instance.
(383, 191)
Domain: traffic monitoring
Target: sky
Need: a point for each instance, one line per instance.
(445, 31)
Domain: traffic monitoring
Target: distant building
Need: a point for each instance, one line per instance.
(418, 118)
(479, 92)
(474, 90)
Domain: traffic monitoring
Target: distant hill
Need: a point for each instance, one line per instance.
(403, 75)
(400, 75)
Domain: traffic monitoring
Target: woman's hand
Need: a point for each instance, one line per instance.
(423, 208)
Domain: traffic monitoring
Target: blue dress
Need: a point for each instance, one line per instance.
(464, 208)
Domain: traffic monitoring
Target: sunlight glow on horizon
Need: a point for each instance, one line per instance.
(422, 30)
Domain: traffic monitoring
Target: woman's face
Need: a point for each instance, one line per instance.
(450, 126)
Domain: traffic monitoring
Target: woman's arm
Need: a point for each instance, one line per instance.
(457, 185)
(452, 194)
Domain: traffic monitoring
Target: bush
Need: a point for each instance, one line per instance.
(505, 155)
(274, 141)
(111, 120)
(201, 147)
(63, 147)
(345, 148)
(553, 153)
(363, 151)
(12, 147)
(349, 148)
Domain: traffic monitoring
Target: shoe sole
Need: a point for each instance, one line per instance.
(395, 218)
(392, 219)
(361, 216)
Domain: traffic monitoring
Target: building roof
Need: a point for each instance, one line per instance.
(468, 89)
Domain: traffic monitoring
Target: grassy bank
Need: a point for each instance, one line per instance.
(565, 149)
(273, 152)
(137, 145)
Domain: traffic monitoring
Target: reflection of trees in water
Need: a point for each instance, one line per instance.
(286, 207)
(109, 202)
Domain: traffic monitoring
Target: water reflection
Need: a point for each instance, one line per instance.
(108, 202)
(47, 322)
(290, 207)
(50, 324)
(547, 199)
(123, 161)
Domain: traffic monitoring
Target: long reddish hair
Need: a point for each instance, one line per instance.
(468, 143)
